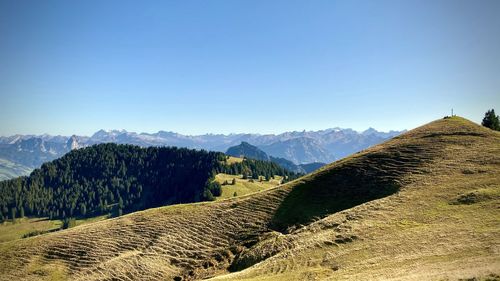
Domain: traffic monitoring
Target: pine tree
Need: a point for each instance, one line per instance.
(491, 120)
(120, 203)
(13, 213)
(83, 209)
(68, 223)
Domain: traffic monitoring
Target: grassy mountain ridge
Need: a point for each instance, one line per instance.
(442, 224)
(395, 210)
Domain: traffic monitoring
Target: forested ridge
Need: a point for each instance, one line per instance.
(112, 178)
(251, 168)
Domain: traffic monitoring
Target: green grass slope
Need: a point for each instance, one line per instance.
(28, 227)
(244, 186)
(422, 206)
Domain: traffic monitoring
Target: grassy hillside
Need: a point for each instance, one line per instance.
(28, 227)
(16, 230)
(232, 160)
(422, 206)
(244, 186)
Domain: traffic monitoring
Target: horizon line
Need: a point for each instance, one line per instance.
(202, 134)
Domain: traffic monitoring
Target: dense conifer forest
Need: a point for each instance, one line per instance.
(116, 179)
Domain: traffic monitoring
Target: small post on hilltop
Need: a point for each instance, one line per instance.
(452, 112)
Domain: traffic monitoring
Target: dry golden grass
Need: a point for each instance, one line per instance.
(11, 231)
(423, 206)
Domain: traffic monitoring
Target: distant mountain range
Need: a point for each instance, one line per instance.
(26, 152)
(300, 150)
(250, 151)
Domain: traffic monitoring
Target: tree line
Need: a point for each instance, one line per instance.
(251, 168)
(116, 179)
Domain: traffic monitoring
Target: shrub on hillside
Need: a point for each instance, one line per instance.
(68, 223)
(208, 196)
(214, 188)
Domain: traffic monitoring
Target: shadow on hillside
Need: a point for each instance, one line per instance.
(328, 194)
(359, 180)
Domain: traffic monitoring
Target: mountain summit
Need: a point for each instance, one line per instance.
(247, 150)
(72, 143)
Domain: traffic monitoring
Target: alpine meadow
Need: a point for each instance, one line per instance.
(249, 140)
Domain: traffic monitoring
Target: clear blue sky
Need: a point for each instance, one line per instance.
(73, 67)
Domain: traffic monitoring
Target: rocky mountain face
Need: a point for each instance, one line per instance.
(73, 143)
(30, 151)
